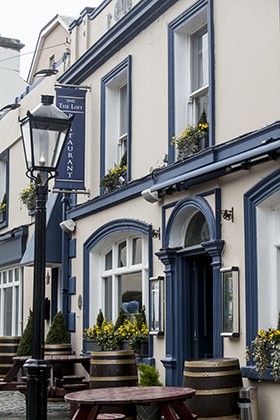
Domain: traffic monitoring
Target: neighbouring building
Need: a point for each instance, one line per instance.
(190, 227)
(11, 84)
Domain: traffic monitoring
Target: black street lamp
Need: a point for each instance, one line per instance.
(44, 131)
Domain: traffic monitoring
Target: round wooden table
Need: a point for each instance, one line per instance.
(169, 399)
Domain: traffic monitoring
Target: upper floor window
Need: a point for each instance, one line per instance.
(115, 119)
(199, 80)
(189, 74)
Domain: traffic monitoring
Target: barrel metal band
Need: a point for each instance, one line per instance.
(216, 391)
(203, 364)
(210, 374)
(112, 362)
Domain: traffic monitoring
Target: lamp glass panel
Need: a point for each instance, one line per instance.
(25, 128)
(48, 140)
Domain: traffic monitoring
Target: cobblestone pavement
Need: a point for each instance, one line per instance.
(12, 407)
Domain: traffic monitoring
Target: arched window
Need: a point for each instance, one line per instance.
(117, 268)
(197, 230)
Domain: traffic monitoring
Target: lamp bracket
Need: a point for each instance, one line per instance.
(156, 233)
(228, 214)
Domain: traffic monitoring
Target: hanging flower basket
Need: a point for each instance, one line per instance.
(28, 197)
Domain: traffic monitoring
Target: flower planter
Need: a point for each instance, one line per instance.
(2, 216)
(91, 345)
(190, 147)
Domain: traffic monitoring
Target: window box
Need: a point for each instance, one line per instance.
(2, 216)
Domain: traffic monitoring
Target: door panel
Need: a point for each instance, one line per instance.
(199, 314)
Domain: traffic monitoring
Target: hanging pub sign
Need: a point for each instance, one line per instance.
(71, 166)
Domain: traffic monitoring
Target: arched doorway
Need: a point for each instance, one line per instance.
(193, 294)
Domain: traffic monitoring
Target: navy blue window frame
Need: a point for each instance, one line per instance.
(124, 65)
(261, 191)
(193, 10)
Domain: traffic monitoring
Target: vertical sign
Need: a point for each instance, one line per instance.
(71, 165)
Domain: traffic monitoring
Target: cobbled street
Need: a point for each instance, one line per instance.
(12, 407)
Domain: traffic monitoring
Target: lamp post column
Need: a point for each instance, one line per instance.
(37, 367)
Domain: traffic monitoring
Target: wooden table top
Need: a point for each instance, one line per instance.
(130, 395)
(71, 358)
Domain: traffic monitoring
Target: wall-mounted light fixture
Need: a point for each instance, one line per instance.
(228, 214)
(156, 233)
(230, 296)
(156, 305)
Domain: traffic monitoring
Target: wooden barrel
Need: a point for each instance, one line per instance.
(60, 369)
(8, 349)
(112, 369)
(58, 349)
(217, 383)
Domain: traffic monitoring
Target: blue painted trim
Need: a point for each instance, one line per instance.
(251, 143)
(135, 21)
(250, 373)
(176, 294)
(54, 293)
(72, 321)
(72, 285)
(13, 245)
(202, 205)
(124, 65)
(72, 248)
(105, 231)
(212, 84)
(262, 190)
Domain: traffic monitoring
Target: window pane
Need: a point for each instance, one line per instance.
(10, 276)
(137, 251)
(130, 290)
(199, 44)
(122, 254)
(5, 277)
(3, 173)
(201, 105)
(108, 297)
(198, 230)
(202, 56)
(109, 260)
(123, 110)
(8, 300)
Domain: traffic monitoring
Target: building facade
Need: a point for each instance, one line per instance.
(191, 233)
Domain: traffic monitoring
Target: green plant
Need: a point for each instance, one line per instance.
(57, 333)
(28, 196)
(148, 375)
(100, 318)
(265, 351)
(113, 177)
(25, 344)
(188, 141)
(121, 318)
(3, 204)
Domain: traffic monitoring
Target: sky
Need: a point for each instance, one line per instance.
(24, 20)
